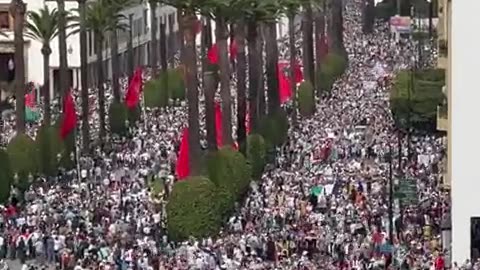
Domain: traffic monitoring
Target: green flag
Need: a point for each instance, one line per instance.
(31, 115)
(317, 190)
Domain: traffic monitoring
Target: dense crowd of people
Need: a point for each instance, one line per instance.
(323, 204)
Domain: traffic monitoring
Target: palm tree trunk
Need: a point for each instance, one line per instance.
(271, 48)
(101, 90)
(241, 84)
(153, 37)
(224, 67)
(84, 78)
(46, 51)
(171, 41)
(130, 47)
(261, 109)
(181, 38)
(189, 60)
(62, 49)
(18, 9)
(210, 86)
(115, 67)
(319, 33)
(307, 31)
(163, 54)
(254, 72)
(336, 25)
(293, 55)
(209, 33)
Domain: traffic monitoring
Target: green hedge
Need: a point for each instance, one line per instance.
(67, 156)
(48, 148)
(332, 68)
(228, 169)
(192, 209)
(154, 90)
(22, 154)
(274, 128)
(256, 154)
(6, 176)
(419, 104)
(306, 100)
(117, 116)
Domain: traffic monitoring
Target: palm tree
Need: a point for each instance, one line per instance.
(117, 24)
(307, 32)
(153, 36)
(101, 18)
(188, 56)
(241, 82)
(223, 13)
(335, 25)
(62, 48)
(18, 9)
(43, 27)
(84, 77)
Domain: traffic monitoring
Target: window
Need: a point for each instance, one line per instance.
(5, 20)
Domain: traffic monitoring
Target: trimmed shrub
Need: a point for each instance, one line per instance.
(256, 154)
(154, 90)
(176, 84)
(274, 128)
(332, 68)
(6, 176)
(192, 209)
(419, 105)
(117, 115)
(48, 149)
(228, 169)
(154, 94)
(67, 155)
(22, 154)
(306, 100)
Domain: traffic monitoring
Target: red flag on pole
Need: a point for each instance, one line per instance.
(30, 99)
(218, 125)
(285, 91)
(69, 121)
(183, 166)
(298, 73)
(212, 53)
(132, 96)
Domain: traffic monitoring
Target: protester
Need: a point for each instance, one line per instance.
(323, 205)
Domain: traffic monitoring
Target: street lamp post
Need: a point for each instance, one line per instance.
(390, 178)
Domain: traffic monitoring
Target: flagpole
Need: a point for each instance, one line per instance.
(77, 156)
(144, 110)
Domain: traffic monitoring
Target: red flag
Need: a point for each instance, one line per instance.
(133, 92)
(218, 124)
(212, 54)
(30, 99)
(285, 91)
(298, 73)
(69, 121)
(183, 165)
